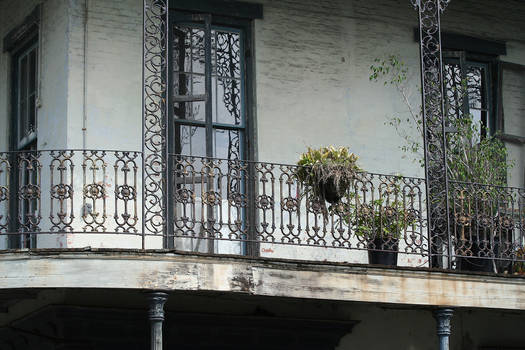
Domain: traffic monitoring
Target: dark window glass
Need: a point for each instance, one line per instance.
(467, 91)
(24, 138)
(24, 99)
(214, 133)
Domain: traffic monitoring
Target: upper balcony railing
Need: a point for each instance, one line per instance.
(92, 198)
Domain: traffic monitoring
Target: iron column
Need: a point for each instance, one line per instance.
(156, 317)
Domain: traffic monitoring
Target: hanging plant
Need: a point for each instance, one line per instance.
(327, 172)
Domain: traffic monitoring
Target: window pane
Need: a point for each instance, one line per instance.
(453, 91)
(227, 101)
(188, 94)
(22, 93)
(191, 140)
(226, 144)
(227, 83)
(31, 126)
(22, 111)
(32, 71)
(475, 87)
(227, 52)
(32, 91)
(188, 49)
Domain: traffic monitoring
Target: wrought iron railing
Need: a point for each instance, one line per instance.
(267, 209)
(79, 198)
(53, 193)
(487, 226)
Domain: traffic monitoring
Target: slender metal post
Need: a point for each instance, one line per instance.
(156, 317)
(443, 318)
(434, 128)
(154, 117)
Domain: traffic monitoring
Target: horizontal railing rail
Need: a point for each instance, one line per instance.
(80, 198)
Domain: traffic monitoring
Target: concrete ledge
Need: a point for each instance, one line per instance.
(170, 271)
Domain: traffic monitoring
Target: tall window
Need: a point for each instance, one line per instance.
(25, 78)
(209, 118)
(208, 85)
(25, 177)
(468, 90)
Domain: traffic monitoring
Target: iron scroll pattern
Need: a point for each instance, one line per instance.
(154, 75)
(210, 204)
(69, 191)
(434, 126)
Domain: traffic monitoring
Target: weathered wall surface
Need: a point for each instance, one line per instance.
(174, 272)
(106, 55)
(312, 69)
(313, 79)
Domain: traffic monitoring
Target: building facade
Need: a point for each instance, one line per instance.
(150, 193)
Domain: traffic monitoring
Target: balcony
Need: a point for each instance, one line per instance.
(94, 198)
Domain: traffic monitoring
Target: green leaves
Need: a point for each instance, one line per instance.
(470, 157)
(319, 167)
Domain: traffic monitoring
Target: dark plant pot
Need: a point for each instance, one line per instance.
(477, 263)
(388, 254)
(329, 191)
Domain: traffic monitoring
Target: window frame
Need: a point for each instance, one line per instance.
(196, 11)
(489, 92)
(246, 127)
(29, 141)
(19, 43)
(465, 59)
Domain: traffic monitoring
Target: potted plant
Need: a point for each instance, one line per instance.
(478, 170)
(382, 223)
(327, 172)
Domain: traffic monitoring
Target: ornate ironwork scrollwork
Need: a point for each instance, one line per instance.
(5, 174)
(434, 126)
(126, 171)
(154, 160)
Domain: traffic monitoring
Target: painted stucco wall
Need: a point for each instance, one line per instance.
(312, 69)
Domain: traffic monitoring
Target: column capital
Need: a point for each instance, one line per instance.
(443, 318)
(156, 305)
